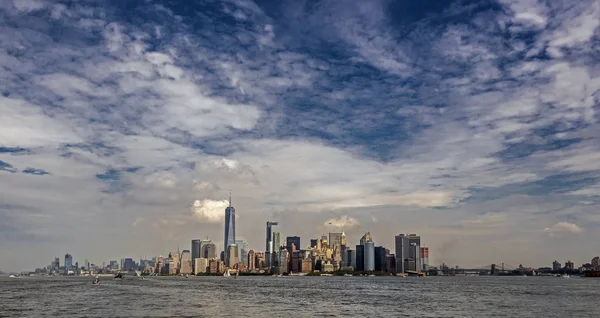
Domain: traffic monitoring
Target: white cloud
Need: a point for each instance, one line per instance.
(137, 221)
(342, 222)
(562, 228)
(210, 211)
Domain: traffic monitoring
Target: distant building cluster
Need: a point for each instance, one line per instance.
(326, 254)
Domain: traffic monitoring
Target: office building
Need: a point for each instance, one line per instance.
(196, 249)
(425, 258)
(208, 249)
(366, 238)
(68, 261)
(251, 260)
(414, 239)
(307, 265)
(369, 256)
(269, 242)
(414, 254)
(595, 263)
(402, 250)
(350, 259)
(380, 259)
(232, 256)
(242, 251)
(556, 266)
(229, 225)
(360, 258)
(391, 263)
(128, 264)
(335, 240)
(201, 265)
(292, 243)
(186, 262)
(569, 265)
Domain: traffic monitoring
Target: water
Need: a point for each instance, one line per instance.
(300, 297)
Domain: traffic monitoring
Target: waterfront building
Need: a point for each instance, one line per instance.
(208, 249)
(350, 258)
(414, 253)
(391, 263)
(556, 266)
(213, 265)
(68, 261)
(307, 265)
(242, 251)
(292, 243)
(196, 249)
(229, 225)
(251, 260)
(296, 262)
(232, 256)
(569, 265)
(328, 267)
(402, 250)
(186, 262)
(380, 259)
(425, 258)
(201, 265)
(369, 256)
(269, 242)
(595, 263)
(414, 239)
(360, 258)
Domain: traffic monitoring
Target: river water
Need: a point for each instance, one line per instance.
(300, 297)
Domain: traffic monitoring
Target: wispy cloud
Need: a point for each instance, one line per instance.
(302, 108)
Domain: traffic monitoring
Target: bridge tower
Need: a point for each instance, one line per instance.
(493, 270)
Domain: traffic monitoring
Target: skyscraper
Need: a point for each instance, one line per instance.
(68, 261)
(425, 258)
(366, 238)
(242, 251)
(269, 242)
(401, 247)
(414, 253)
(196, 250)
(209, 249)
(380, 259)
(186, 262)
(360, 258)
(229, 225)
(232, 256)
(335, 239)
(251, 260)
(292, 240)
(369, 255)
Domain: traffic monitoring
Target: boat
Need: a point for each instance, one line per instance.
(348, 275)
(13, 276)
(326, 274)
(371, 275)
(227, 274)
(96, 281)
(565, 276)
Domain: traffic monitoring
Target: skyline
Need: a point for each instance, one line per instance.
(472, 123)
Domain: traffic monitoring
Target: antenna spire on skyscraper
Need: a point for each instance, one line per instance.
(229, 197)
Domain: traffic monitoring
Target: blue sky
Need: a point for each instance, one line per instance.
(474, 123)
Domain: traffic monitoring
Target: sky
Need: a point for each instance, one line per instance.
(124, 124)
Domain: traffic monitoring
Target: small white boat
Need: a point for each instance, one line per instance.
(227, 274)
(565, 276)
(348, 275)
(13, 276)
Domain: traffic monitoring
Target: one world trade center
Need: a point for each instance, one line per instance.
(229, 225)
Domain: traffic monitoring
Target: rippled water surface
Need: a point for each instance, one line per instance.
(300, 297)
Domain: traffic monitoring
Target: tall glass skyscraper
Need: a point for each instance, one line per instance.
(369, 256)
(229, 226)
(68, 261)
(402, 250)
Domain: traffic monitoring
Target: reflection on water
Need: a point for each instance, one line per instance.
(300, 297)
